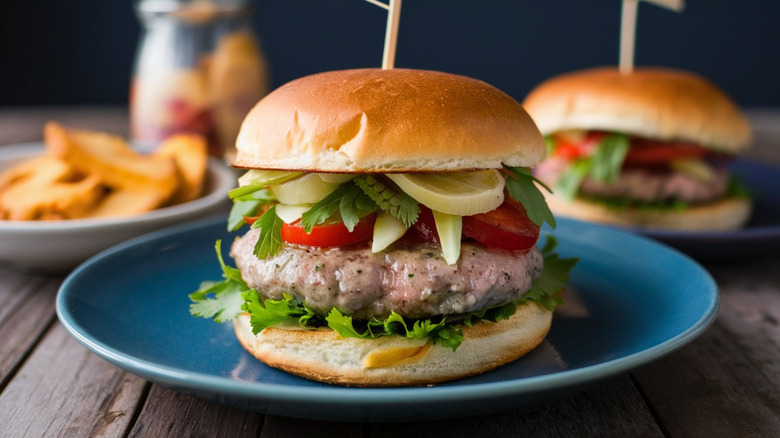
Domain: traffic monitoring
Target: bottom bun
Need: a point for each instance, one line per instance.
(323, 355)
(727, 214)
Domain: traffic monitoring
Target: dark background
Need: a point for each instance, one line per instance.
(56, 52)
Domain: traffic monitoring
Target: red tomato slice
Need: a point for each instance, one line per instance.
(329, 235)
(506, 227)
(569, 151)
(644, 151)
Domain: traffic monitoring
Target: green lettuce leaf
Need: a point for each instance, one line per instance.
(247, 205)
(603, 165)
(608, 158)
(267, 313)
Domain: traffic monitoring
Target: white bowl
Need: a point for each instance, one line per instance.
(59, 246)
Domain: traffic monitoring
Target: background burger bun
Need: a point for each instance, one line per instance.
(655, 103)
(397, 120)
(726, 214)
(394, 360)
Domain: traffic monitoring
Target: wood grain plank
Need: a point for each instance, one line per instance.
(281, 427)
(64, 390)
(15, 287)
(612, 409)
(29, 312)
(168, 413)
(727, 383)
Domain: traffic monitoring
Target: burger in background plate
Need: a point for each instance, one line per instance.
(646, 149)
(393, 230)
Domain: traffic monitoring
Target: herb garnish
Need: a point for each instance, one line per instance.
(603, 164)
(270, 240)
(348, 199)
(522, 188)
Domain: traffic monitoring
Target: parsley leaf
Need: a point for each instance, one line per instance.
(522, 188)
(354, 205)
(270, 240)
(220, 301)
(545, 288)
(348, 198)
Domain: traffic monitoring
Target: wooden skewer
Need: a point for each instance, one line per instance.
(628, 29)
(628, 35)
(391, 34)
(380, 4)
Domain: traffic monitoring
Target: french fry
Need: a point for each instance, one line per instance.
(87, 174)
(190, 153)
(114, 161)
(47, 188)
(124, 202)
(43, 166)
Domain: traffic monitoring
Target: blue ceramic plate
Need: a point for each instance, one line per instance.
(761, 235)
(631, 301)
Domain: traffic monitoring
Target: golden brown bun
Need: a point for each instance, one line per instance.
(655, 103)
(727, 214)
(325, 356)
(396, 120)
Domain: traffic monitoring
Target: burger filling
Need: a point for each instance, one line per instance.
(628, 172)
(417, 255)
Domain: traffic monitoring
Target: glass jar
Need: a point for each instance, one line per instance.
(199, 68)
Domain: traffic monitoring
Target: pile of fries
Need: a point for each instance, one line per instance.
(86, 174)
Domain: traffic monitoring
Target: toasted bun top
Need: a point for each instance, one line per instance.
(396, 120)
(655, 103)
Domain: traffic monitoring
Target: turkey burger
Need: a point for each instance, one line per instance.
(393, 229)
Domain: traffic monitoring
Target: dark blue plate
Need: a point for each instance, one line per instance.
(631, 301)
(760, 236)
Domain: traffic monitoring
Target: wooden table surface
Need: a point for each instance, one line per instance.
(724, 384)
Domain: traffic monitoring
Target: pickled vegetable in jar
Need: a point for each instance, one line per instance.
(199, 68)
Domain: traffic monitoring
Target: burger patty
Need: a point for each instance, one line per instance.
(647, 185)
(415, 282)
